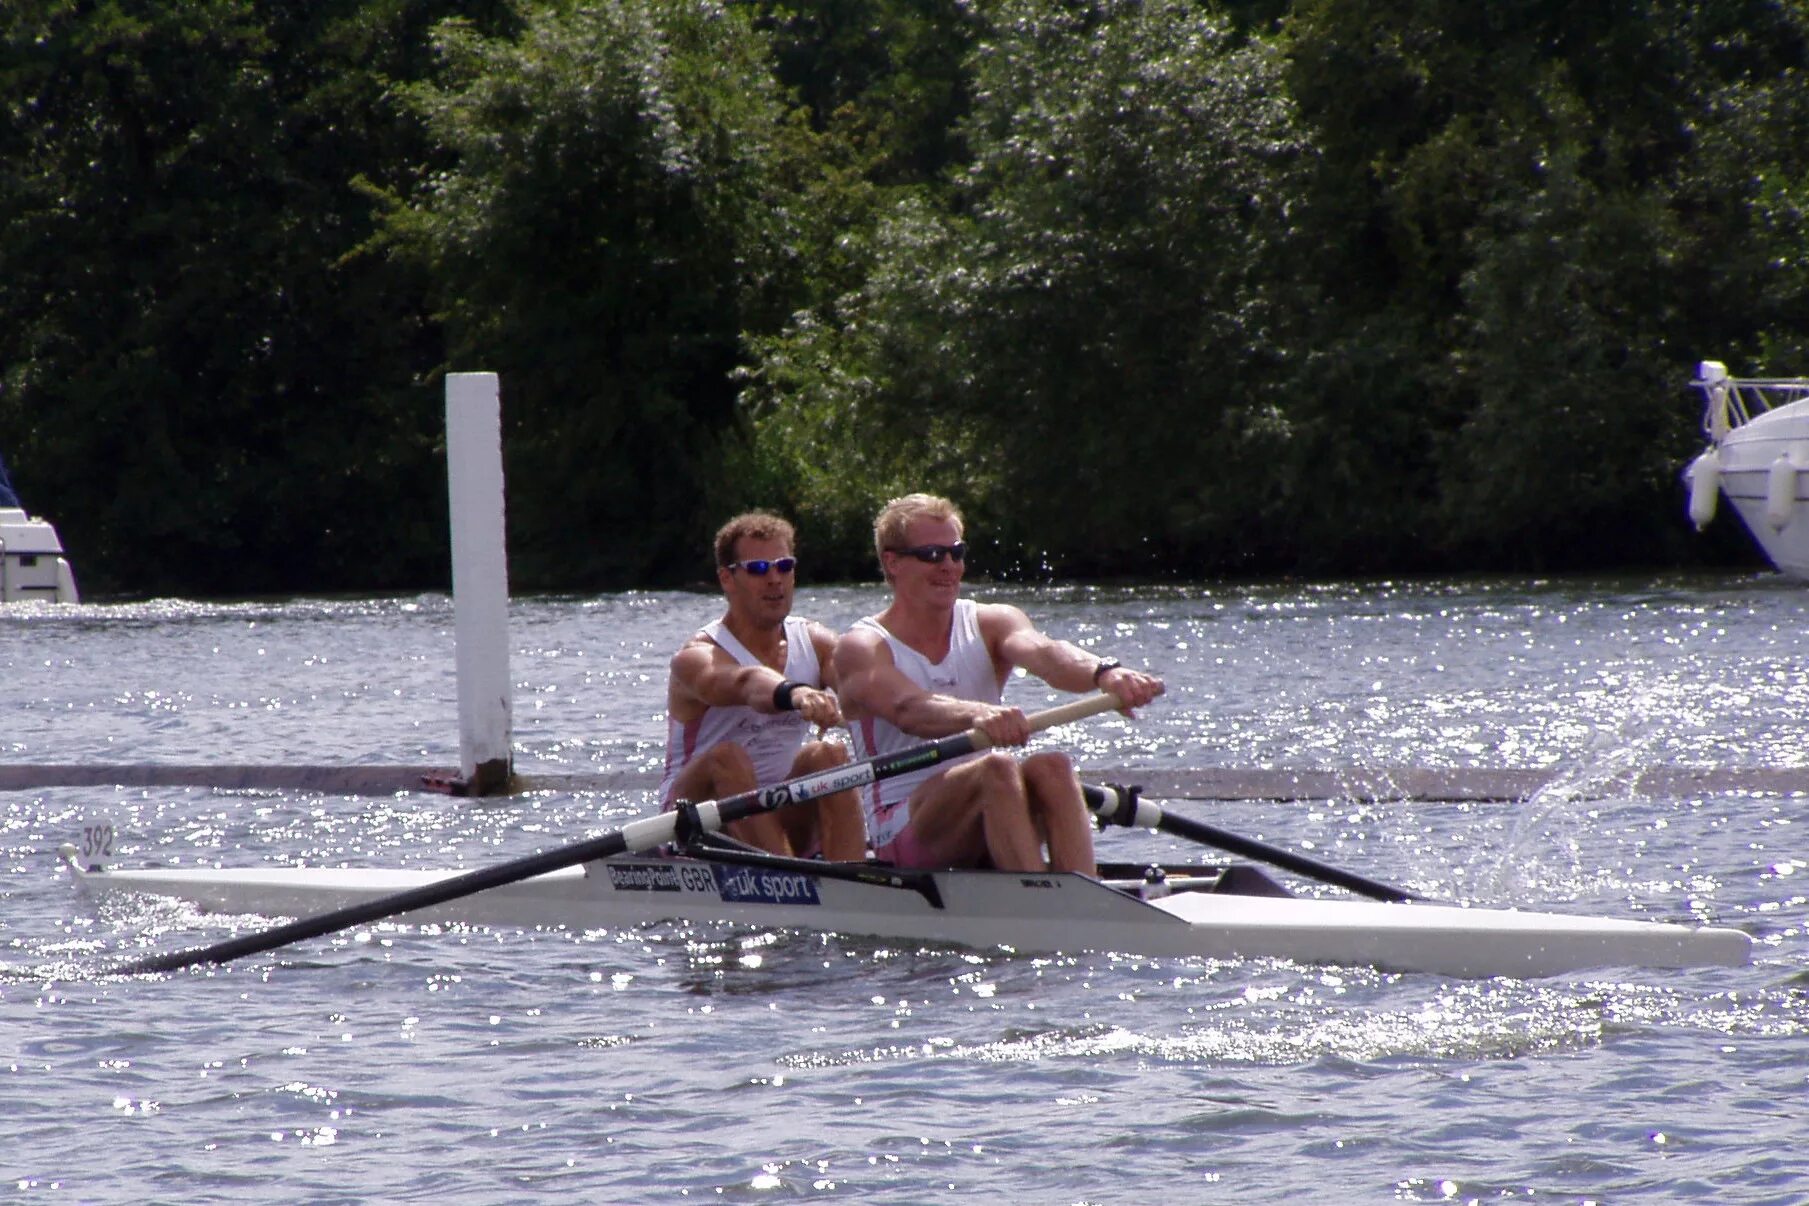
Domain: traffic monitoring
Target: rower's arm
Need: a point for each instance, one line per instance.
(704, 675)
(1062, 664)
(1017, 642)
(871, 684)
(823, 641)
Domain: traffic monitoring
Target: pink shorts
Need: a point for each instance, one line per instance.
(905, 851)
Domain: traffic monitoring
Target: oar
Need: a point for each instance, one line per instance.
(633, 837)
(1126, 806)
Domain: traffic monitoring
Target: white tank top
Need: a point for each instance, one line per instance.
(966, 672)
(770, 739)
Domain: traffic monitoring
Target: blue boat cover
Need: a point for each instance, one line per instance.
(7, 497)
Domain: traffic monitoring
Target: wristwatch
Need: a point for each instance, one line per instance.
(1108, 663)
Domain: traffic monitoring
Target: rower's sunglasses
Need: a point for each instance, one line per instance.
(759, 568)
(934, 553)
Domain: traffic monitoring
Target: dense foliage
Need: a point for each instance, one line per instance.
(1158, 287)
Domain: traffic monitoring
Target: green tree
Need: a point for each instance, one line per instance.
(886, 77)
(1134, 166)
(625, 200)
(851, 402)
(201, 384)
(1076, 349)
(1534, 218)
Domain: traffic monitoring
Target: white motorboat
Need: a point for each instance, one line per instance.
(32, 565)
(1758, 454)
(1218, 912)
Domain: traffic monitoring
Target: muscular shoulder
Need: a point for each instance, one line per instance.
(863, 636)
(694, 659)
(821, 638)
(861, 646)
(999, 620)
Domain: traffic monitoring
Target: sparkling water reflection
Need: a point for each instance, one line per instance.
(681, 1063)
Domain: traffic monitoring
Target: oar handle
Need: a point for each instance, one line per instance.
(1074, 709)
(636, 836)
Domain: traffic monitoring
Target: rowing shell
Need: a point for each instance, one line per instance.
(1237, 912)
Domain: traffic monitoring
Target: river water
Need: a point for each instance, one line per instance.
(665, 1064)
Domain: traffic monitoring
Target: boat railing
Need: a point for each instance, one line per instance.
(1736, 401)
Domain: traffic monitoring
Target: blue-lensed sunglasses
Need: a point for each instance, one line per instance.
(760, 566)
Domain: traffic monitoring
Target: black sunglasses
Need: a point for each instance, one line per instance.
(758, 568)
(934, 553)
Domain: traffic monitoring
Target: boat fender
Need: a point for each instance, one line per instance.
(1780, 493)
(1704, 475)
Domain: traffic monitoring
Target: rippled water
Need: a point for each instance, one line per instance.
(664, 1064)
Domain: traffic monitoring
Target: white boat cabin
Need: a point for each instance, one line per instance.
(32, 565)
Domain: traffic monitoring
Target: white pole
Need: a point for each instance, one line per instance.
(480, 580)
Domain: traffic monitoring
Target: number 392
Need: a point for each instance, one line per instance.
(97, 842)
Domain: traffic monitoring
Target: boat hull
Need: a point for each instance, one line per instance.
(1759, 460)
(1020, 912)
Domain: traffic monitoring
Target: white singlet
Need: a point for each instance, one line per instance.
(966, 673)
(771, 740)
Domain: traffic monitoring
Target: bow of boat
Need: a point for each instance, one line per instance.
(1453, 940)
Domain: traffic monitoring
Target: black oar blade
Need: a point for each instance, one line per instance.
(1125, 806)
(388, 906)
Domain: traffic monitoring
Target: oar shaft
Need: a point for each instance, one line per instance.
(634, 837)
(407, 901)
(1130, 809)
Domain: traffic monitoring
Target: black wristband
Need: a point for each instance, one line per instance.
(782, 694)
(1107, 663)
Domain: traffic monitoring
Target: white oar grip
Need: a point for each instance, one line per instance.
(1074, 709)
(1149, 816)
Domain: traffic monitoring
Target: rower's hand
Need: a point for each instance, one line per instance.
(819, 707)
(1131, 688)
(1004, 726)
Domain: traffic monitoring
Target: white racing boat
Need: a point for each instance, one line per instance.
(1234, 912)
(622, 878)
